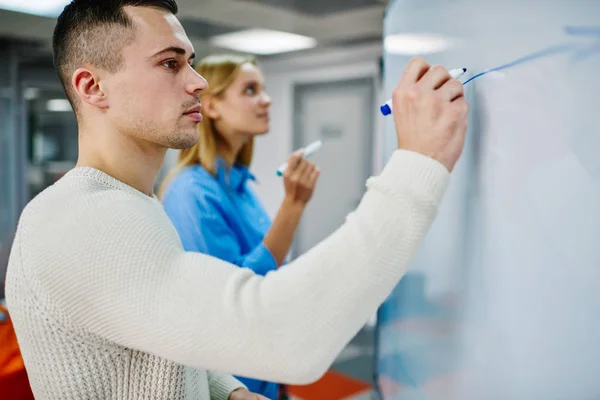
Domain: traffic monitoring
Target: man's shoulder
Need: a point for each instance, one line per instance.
(70, 194)
(72, 206)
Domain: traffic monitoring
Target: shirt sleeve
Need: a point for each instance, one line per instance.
(201, 222)
(128, 280)
(221, 385)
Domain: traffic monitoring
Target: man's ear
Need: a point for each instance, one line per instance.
(86, 83)
(210, 107)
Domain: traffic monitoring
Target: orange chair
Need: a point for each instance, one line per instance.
(14, 384)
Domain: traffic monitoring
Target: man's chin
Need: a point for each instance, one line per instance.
(184, 140)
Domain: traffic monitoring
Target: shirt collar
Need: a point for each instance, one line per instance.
(233, 177)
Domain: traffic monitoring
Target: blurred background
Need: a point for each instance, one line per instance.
(502, 299)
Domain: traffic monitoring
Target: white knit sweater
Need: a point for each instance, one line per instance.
(107, 305)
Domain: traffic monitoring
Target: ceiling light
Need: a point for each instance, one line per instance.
(414, 44)
(263, 41)
(58, 105)
(45, 8)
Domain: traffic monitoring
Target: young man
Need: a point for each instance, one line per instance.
(106, 304)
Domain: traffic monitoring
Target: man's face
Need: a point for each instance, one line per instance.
(154, 96)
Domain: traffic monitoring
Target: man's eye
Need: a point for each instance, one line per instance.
(171, 64)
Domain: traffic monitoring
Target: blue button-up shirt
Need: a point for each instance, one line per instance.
(223, 217)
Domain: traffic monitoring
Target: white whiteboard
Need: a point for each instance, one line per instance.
(517, 241)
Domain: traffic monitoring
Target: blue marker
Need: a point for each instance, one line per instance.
(386, 109)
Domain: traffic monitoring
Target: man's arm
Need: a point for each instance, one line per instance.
(222, 385)
(134, 285)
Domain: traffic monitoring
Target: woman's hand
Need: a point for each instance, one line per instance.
(299, 179)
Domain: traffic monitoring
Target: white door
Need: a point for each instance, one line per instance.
(341, 115)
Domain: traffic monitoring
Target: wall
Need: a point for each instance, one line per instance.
(281, 74)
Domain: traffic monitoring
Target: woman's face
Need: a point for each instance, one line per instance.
(243, 109)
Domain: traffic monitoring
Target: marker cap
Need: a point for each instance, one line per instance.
(385, 109)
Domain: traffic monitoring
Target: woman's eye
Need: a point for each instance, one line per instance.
(250, 90)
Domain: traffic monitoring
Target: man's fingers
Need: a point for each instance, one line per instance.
(452, 90)
(416, 68)
(435, 77)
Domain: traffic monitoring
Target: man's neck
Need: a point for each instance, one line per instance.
(132, 162)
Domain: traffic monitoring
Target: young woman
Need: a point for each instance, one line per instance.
(207, 196)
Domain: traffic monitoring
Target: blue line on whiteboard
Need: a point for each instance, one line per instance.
(539, 54)
(583, 31)
(579, 52)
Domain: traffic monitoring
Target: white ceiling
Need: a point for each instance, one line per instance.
(340, 22)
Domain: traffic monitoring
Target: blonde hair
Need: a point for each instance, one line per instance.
(220, 71)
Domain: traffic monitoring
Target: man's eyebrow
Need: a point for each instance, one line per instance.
(173, 49)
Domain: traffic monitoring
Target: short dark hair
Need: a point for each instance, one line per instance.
(94, 32)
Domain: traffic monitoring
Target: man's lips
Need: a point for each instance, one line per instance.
(194, 113)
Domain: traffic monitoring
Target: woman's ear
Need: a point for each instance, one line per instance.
(210, 106)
